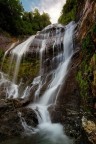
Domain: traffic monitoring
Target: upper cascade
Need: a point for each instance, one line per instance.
(50, 33)
(54, 46)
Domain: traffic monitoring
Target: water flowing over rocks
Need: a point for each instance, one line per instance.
(54, 47)
(67, 110)
(51, 95)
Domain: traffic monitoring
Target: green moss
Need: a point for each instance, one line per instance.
(85, 71)
(29, 69)
(88, 45)
(83, 78)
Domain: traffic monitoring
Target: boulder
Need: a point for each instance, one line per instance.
(11, 123)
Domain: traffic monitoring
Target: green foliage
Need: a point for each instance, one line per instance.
(94, 29)
(28, 70)
(16, 21)
(45, 20)
(68, 12)
(85, 71)
(10, 12)
(88, 45)
(83, 79)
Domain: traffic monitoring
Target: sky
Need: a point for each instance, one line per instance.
(52, 7)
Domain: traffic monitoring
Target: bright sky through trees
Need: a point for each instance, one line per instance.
(52, 7)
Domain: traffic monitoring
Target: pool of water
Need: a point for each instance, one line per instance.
(46, 134)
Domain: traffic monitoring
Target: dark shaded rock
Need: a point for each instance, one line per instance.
(10, 121)
(10, 124)
(30, 116)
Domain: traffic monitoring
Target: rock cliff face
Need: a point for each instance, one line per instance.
(86, 40)
(78, 94)
(82, 82)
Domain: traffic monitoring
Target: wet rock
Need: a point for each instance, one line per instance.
(3, 106)
(10, 121)
(67, 109)
(10, 124)
(30, 116)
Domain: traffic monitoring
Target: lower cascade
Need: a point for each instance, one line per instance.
(54, 48)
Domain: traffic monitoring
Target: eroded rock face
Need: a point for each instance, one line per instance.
(10, 120)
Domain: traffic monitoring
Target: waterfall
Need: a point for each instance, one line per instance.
(11, 47)
(11, 88)
(61, 71)
(59, 40)
(51, 94)
(18, 52)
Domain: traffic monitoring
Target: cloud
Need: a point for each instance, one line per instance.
(52, 7)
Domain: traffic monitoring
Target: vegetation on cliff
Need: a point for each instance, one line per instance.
(29, 68)
(16, 21)
(86, 75)
(68, 12)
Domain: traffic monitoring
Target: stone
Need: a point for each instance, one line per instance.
(90, 129)
(10, 121)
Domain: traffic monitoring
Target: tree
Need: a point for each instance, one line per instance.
(16, 21)
(45, 19)
(68, 12)
(10, 12)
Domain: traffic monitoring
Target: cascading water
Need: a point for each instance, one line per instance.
(12, 46)
(19, 51)
(58, 77)
(61, 71)
(42, 100)
(11, 88)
